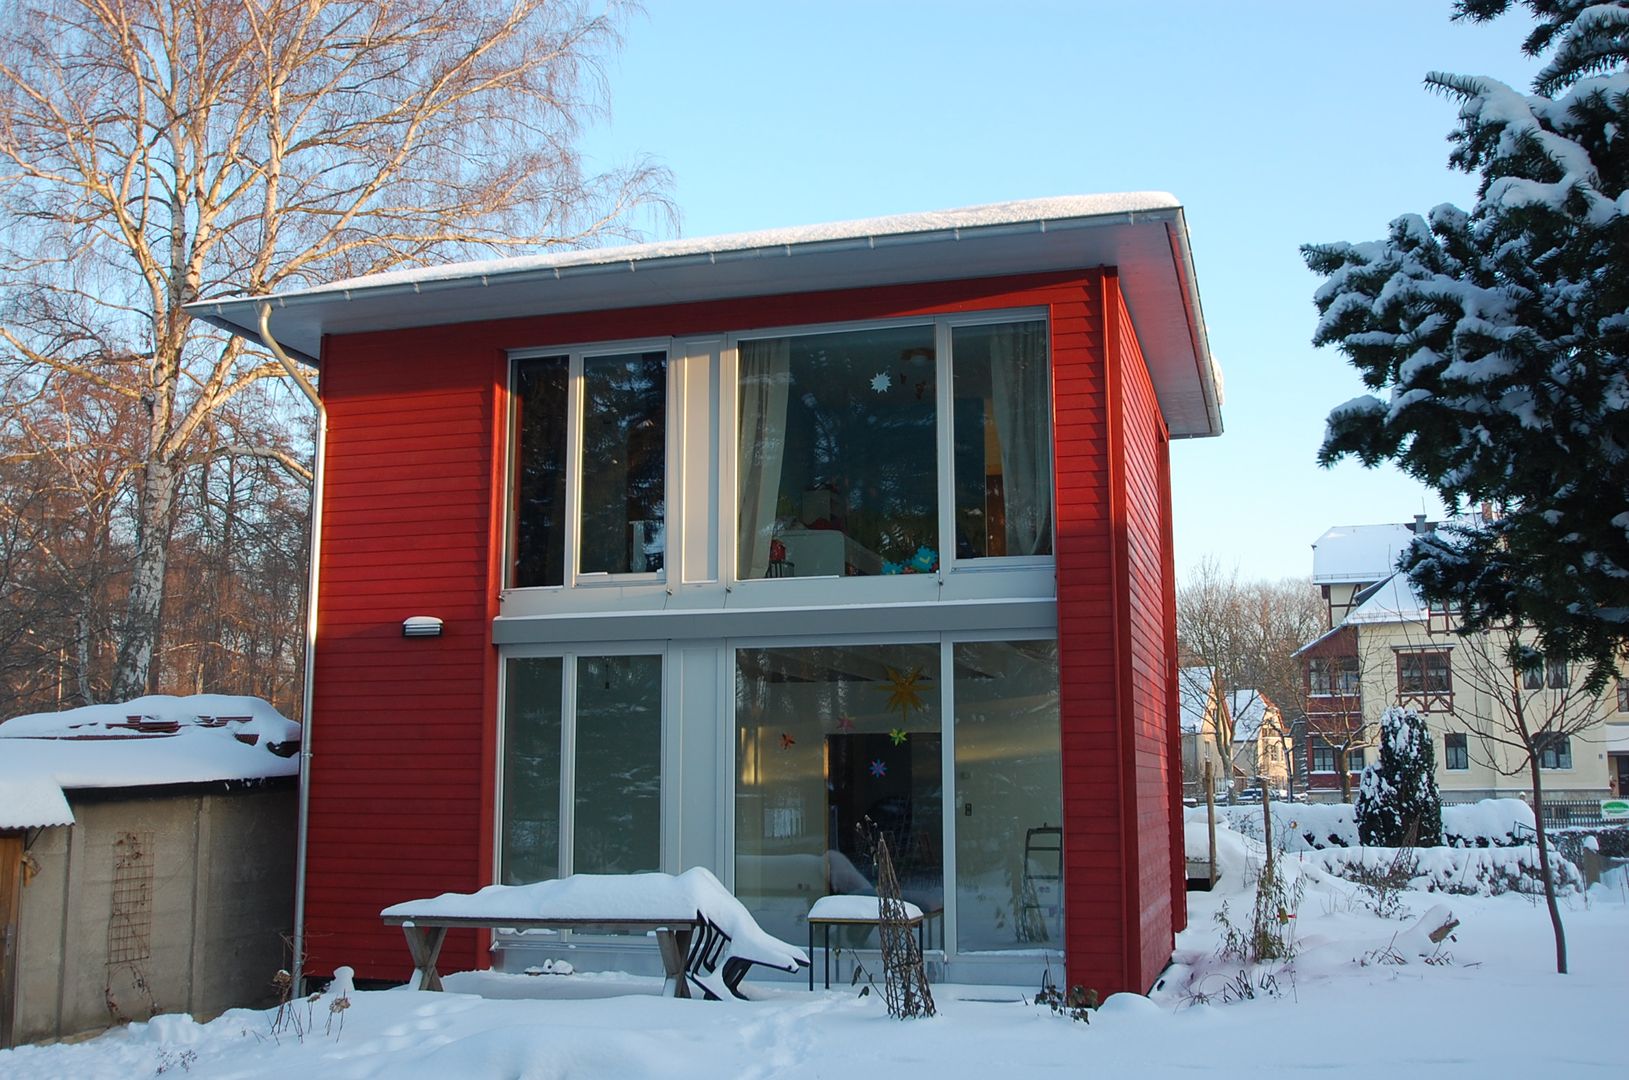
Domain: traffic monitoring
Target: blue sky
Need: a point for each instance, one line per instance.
(1275, 123)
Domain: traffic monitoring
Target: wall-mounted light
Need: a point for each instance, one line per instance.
(421, 626)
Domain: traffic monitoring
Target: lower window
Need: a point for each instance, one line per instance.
(582, 766)
(835, 741)
(1554, 751)
(1456, 752)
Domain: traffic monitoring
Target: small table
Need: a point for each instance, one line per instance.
(830, 911)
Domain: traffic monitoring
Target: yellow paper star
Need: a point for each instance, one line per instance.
(903, 694)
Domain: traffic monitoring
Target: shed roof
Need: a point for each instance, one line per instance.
(1143, 234)
(145, 742)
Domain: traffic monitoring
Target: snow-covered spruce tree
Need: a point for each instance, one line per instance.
(1496, 341)
(1397, 795)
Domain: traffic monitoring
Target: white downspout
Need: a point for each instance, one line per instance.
(312, 570)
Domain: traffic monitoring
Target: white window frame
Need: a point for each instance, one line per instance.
(572, 574)
(667, 822)
(946, 641)
(788, 590)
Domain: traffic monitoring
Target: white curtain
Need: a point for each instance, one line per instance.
(762, 382)
(1022, 400)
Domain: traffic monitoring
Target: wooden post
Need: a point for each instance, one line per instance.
(1210, 813)
(1267, 822)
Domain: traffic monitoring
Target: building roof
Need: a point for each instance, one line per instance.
(145, 742)
(1393, 600)
(1143, 234)
(1249, 710)
(1358, 553)
(1195, 686)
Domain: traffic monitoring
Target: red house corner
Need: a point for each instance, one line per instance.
(740, 543)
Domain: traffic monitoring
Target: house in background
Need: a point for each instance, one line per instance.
(146, 862)
(1262, 743)
(1203, 714)
(1391, 648)
(738, 543)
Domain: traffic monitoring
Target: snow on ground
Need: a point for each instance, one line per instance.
(1494, 1008)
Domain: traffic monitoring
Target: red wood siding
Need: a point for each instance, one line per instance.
(405, 730)
(400, 753)
(1151, 759)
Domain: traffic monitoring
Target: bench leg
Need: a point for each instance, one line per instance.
(674, 945)
(424, 944)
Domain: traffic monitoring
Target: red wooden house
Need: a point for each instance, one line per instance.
(741, 544)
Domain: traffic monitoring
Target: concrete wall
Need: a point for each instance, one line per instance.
(217, 869)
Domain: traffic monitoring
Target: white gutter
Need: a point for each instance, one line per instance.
(312, 569)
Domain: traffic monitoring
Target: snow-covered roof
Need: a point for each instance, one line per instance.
(1358, 553)
(1249, 709)
(1143, 234)
(1193, 697)
(1393, 600)
(141, 743)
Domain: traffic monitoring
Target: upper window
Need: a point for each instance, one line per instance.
(1425, 675)
(1329, 675)
(1003, 443)
(614, 457)
(1555, 674)
(838, 465)
(1623, 695)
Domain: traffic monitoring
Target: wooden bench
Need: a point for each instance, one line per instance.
(704, 934)
(674, 938)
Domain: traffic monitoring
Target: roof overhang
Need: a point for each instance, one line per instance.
(1144, 235)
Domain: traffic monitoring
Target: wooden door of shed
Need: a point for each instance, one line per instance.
(11, 902)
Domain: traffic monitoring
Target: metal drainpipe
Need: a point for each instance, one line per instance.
(303, 827)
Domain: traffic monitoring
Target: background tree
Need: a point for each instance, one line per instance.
(1500, 337)
(155, 152)
(1528, 714)
(1398, 802)
(1248, 634)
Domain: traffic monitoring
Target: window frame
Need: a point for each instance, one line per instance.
(1428, 699)
(1456, 744)
(1554, 751)
(783, 589)
(572, 576)
(667, 825)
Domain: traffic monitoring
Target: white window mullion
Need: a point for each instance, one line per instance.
(574, 466)
(950, 805)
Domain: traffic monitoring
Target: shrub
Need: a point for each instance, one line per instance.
(1397, 796)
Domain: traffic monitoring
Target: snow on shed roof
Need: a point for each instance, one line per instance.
(1143, 234)
(141, 743)
(1358, 553)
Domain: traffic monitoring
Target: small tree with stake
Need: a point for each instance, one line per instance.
(1398, 797)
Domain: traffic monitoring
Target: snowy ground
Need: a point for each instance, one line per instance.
(1494, 1009)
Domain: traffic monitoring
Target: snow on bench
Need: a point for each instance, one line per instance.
(705, 935)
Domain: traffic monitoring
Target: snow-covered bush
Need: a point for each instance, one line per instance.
(1397, 801)
(1461, 872)
(1489, 823)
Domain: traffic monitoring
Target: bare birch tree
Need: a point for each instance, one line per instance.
(156, 152)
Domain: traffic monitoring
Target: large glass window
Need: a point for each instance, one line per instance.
(539, 541)
(531, 771)
(831, 740)
(1003, 439)
(596, 753)
(1009, 796)
(624, 459)
(837, 466)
